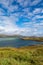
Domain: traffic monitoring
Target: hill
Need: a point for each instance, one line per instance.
(31, 55)
(33, 38)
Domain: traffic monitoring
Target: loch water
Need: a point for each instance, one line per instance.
(17, 42)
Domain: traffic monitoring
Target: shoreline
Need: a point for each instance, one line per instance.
(38, 45)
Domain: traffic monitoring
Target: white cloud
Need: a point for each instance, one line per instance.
(2, 12)
(8, 23)
(39, 16)
(35, 2)
(37, 11)
(34, 29)
(7, 26)
(30, 28)
(42, 10)
(13, 8)
(5, 3)
(24, 3)
(1, 29)
(20, 1)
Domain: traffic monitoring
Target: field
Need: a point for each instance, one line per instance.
(31, 55)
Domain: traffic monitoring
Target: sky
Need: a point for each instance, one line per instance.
(21, 17)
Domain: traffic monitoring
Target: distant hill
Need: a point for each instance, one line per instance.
(33, 38)
(23, 37)
(2, 35)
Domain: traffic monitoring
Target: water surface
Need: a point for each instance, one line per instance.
(16, 42)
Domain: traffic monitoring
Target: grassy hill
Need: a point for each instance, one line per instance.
(32, 55)
(33, 38)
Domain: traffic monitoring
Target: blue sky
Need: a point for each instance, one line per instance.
(23, 17)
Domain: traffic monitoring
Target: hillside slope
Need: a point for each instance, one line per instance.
(32, 55)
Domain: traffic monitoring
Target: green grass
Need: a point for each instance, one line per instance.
(32, 55)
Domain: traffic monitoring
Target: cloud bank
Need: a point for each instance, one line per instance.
(23, 17)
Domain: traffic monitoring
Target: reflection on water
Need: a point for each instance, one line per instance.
(16, 42)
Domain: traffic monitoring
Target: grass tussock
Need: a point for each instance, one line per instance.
(32, 55)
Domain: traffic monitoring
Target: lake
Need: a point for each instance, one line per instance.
(16, 42)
